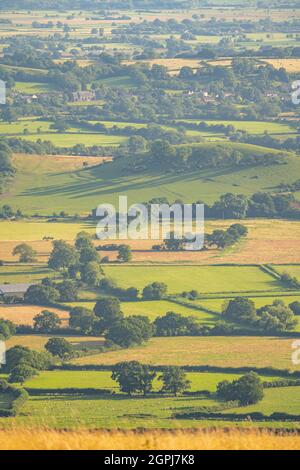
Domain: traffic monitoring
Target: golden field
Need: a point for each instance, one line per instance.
(268, 241)
(25, 439)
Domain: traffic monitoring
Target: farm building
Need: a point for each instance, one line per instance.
(13, 289)
(83, 96)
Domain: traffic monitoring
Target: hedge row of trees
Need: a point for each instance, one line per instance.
(276, 317)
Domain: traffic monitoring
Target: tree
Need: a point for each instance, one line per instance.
(62, 256)
(83, 240)
(46, 322)
(124, 253)
(174, 380)
(26, 253)
(91, 273)
(276, 317)
(108, 310)
(68, 291)
(295, 307)
(248, 389)
(240, 310)
(7, 329)
(88, 254)
(18, 355)
(155, 291)
(174, 324)
(133, 377)
(59, 347)
(238, 230)
(220, 238)
(82, 319)
(22, 373)
(41, 295)
(129, 331)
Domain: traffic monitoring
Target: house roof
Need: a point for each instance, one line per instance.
(14, 288)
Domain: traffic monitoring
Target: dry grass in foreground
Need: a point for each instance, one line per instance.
(22, 439)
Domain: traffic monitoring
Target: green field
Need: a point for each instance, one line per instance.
(26, 274)
(71, 139)
(33, 88)
(252, 127)
(46, 188)
(154, 309)
(38, 342)
(103, 380)
(292, 269)
(205, 279)
(285, 400)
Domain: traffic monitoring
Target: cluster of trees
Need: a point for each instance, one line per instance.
(247, 390)
(198, 158)
(239, 206)
(226, 238)
(79, 260)
(134, 377)
(50, 292)
(23, 363)
(108, 319)
(276, 317)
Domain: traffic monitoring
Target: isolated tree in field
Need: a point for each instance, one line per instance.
(82, 319)
(133, 377)
(41, 295)
(155, 291)
(240, 310)
(237, 231)
(247, 390)
(59, 347)
(174, 380)
(108, 311)
(124, 254)
(22, 373)
(63, 255)
(91, 273)
(46, 322)
(26, 253)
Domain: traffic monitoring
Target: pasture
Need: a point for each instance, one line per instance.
(214, 351)
(205, 279)
(42, 187)
(57, 379)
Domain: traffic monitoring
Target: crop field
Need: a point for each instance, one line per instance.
(205, 279)
(268, 241)
(36, 184)
(201, 439)
(213, 351)
(24, 314)
(38, 341)
(291, 65)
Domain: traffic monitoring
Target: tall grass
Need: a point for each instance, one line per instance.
(221, 439)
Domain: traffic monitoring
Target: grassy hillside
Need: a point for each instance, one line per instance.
(43, 186)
